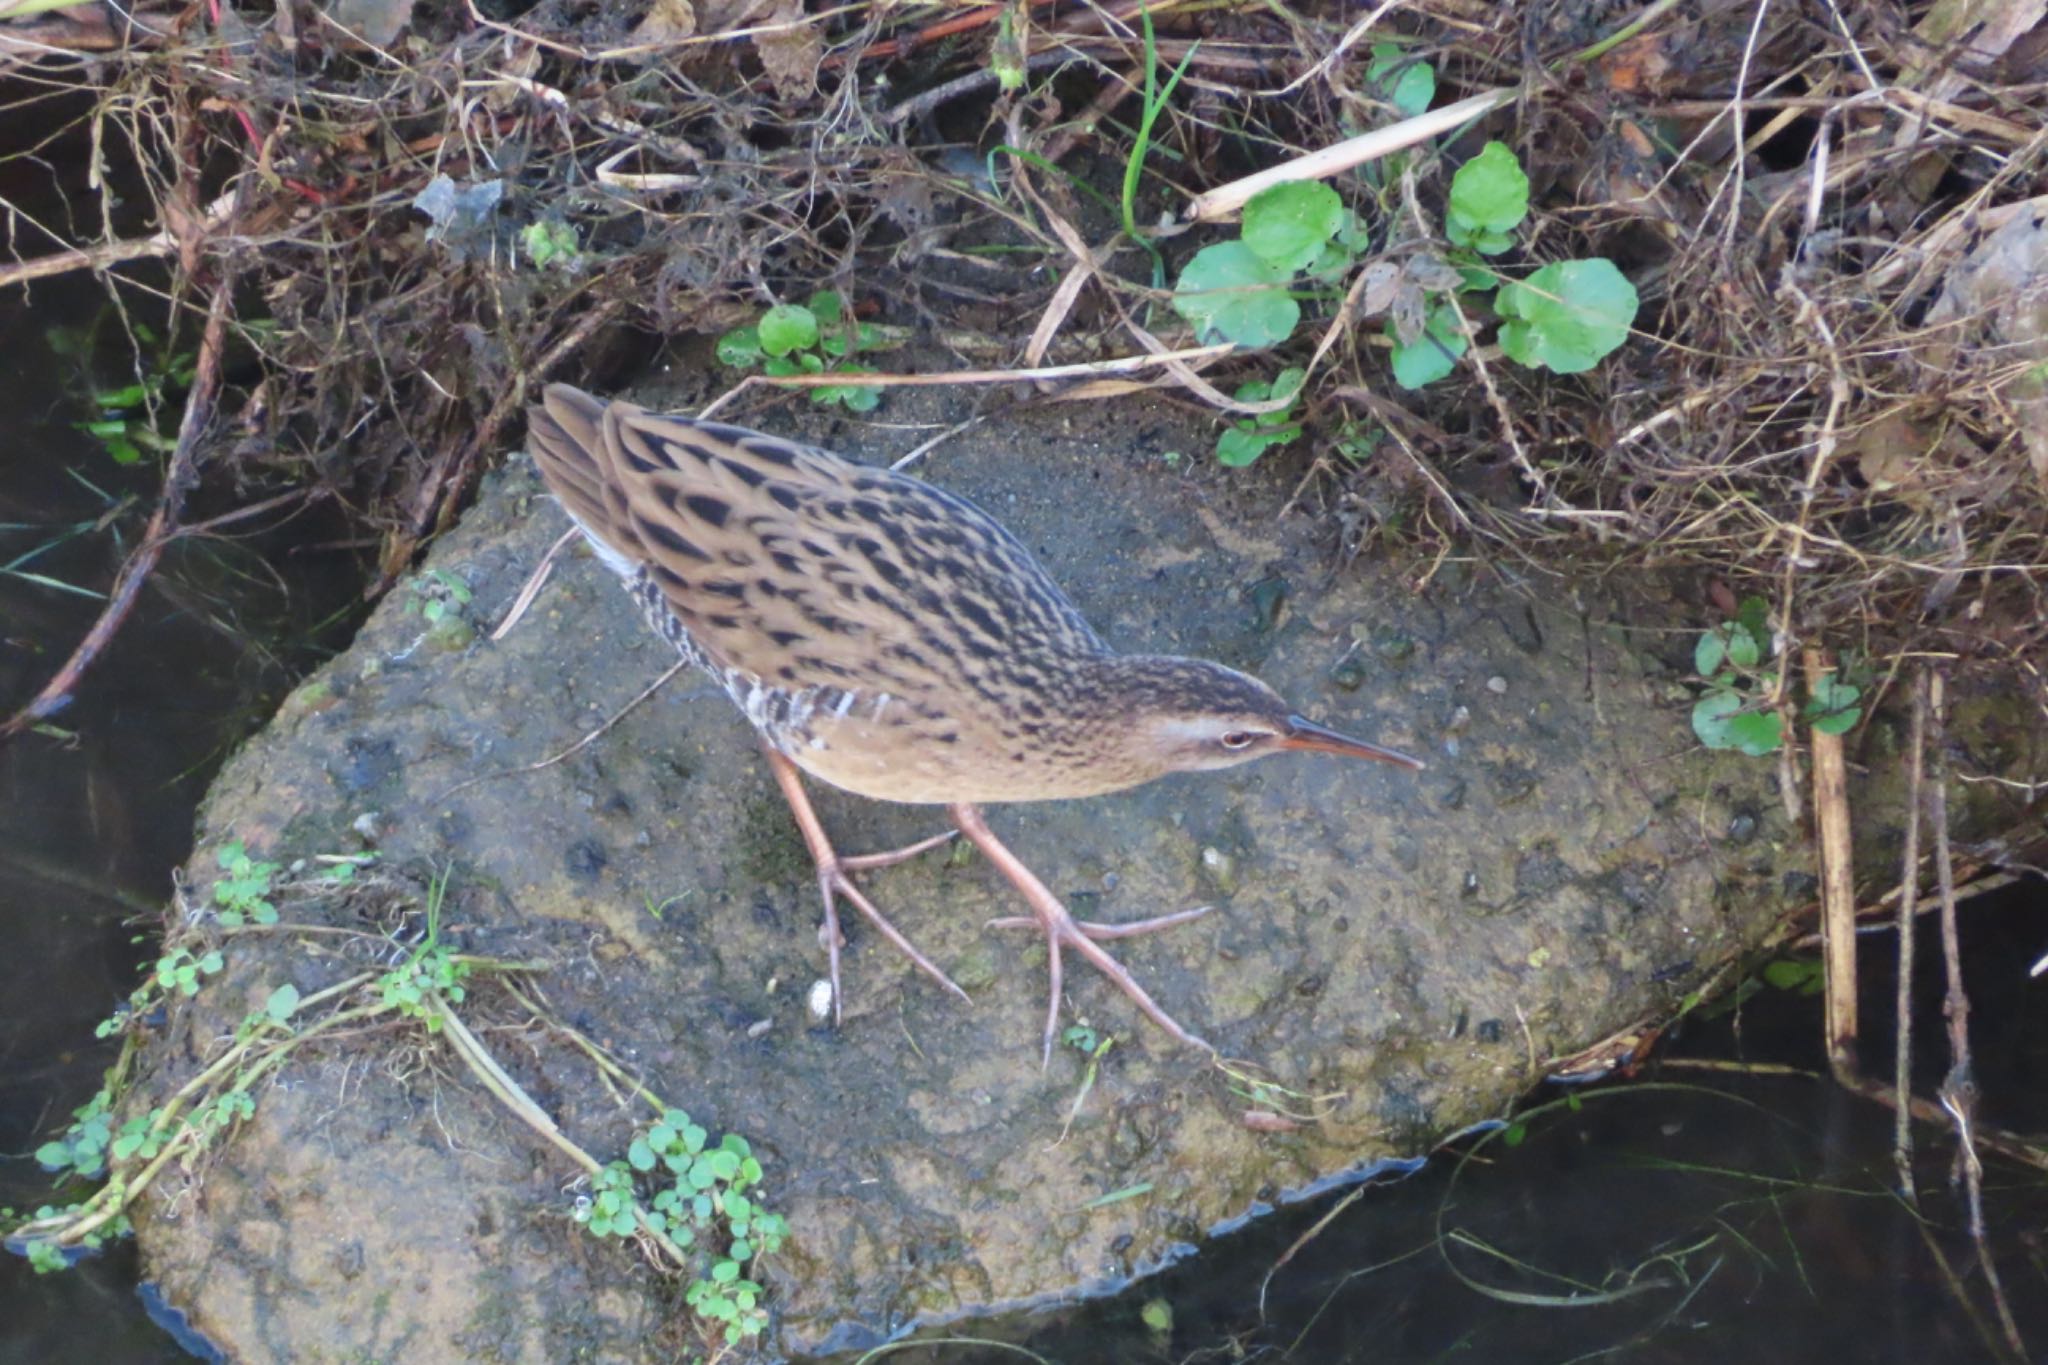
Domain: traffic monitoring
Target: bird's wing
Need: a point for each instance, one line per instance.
(796, 566)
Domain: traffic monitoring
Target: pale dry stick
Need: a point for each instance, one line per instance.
(513, 1096)
(548, 762)
(534, 582)
(1500, 407)
(1837, 880)
(1740, 118)
(1085, 370)
(1909, 895)
(1340, 325)
(924, 448)
(1087, 261)
(1352, 36)
(107, 254)
(1958, 1092)
(1224, 200)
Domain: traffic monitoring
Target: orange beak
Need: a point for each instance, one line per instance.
(1310, 737)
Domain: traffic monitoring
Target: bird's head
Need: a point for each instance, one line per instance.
(1191, 715)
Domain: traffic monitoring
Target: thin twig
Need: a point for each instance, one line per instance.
(1909, 895)
(163, 527)
(1837, 879)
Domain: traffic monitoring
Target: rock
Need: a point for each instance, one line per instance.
(1569, 863)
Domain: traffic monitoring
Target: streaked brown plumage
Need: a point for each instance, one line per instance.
(892, 639)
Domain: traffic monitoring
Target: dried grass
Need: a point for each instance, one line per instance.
(1791, 420)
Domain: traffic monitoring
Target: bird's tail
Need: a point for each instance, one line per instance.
(566, 433)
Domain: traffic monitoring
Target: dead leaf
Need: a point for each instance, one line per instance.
(791, 51)
(2000, 292)
(1382, 283)
(1639, 66)
(668, 21)
(374, 22)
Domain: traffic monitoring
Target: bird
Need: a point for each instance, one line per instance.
(888, 637)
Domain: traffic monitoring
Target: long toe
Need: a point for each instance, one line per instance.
(1099, 931)
(866, 861)
(1075, 937)
(844, 886)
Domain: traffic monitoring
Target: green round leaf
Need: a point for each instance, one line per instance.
(1229, 291)
(1237, 447)
(1489, 193)
(1566, 317)
(1710, 718)
(282, 1002)
(740, 348)
(787, 327)
(1708, 653)
(640, 1155)
(827, 306)
(1838, 722)
(1288, 223)
(1430, 356)
(1755, 613)
(1743, 648)
(1757, 733)
(1413, 82)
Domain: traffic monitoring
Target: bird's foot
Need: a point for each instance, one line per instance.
(834, 883)
(1062, 930)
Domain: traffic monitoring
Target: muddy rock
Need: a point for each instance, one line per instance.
(1398, 954)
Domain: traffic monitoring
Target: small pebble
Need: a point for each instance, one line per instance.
(761, 1026)
(819, 1000)
(1221, 867)
(1496, 684)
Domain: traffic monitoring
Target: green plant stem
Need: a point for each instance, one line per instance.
(113, 1198)
(1621, 35)
(1155, 101)
(590, 1048)
(514, 1097)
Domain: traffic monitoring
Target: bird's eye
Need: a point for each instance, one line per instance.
(1238, 739)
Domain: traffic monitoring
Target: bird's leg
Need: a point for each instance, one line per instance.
(834, 883)
(1063, 930)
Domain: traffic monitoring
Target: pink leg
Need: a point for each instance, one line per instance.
(834, 883)
(1062, 930)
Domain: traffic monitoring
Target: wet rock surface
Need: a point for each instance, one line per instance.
(1409, 949)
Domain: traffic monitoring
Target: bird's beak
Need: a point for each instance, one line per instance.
(1306, 735)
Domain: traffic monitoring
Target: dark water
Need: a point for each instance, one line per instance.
(92, 824)
(1710, 1214)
